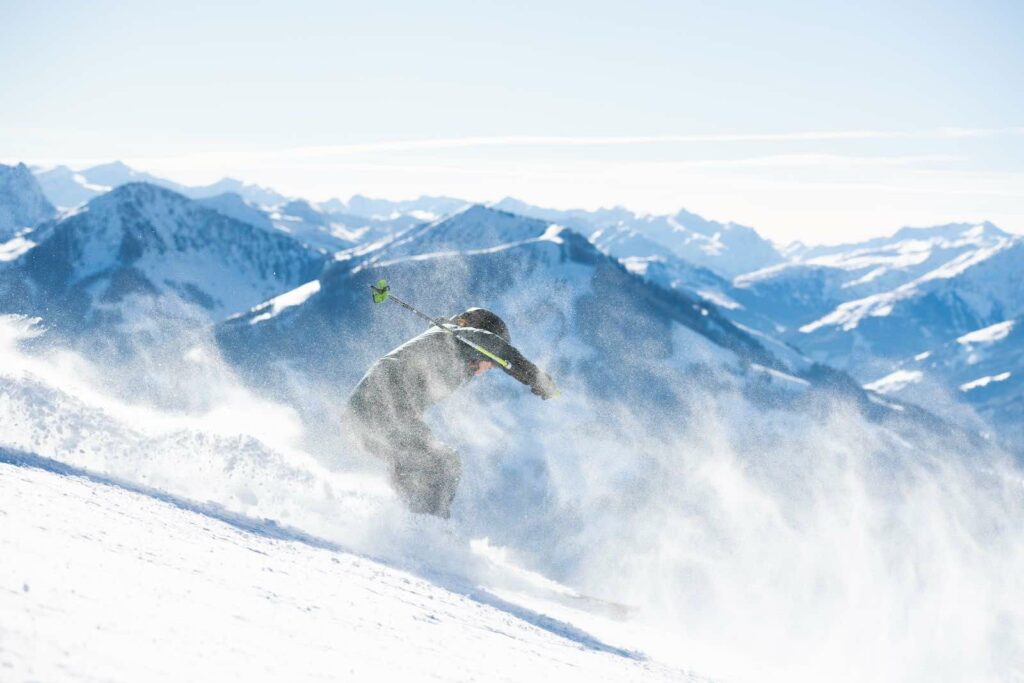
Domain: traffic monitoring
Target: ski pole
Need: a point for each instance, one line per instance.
(381, 293)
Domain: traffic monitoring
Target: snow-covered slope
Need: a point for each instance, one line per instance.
(22, 203)
(474, 227)
(978, 288)
(983, 369)
(711, 521)
(145, 240)
(190, 542)
(128, 584)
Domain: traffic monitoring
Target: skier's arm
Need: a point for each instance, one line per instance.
(520, 368)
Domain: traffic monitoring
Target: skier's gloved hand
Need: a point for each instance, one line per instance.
(544, 386)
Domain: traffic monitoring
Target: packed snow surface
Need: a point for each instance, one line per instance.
(105, 583)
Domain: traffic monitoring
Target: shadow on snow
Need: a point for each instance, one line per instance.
(268, 528)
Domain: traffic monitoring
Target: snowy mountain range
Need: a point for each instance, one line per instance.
(310, 224)
(874, 307)
(971, 290)
(67, 188)
(483, 254)
(592, 320)
(728, 248)
(143, 241)
(864, 308)
(817, 281)
(757, 452)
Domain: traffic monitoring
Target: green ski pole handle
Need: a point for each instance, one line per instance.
(381, 293)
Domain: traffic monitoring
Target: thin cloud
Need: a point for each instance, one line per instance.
(812, 161)
(617, 141)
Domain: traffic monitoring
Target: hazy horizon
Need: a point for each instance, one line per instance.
(881, 231)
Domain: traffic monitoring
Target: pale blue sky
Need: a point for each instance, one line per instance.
(917, 110)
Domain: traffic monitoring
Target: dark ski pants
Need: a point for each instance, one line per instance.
(424, 472)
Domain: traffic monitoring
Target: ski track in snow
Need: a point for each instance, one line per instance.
(113, 581)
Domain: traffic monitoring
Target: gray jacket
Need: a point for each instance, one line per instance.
(400, 387)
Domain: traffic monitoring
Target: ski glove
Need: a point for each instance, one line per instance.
(544, 386)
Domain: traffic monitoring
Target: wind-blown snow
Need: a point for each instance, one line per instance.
(715, 528)
(100, 582)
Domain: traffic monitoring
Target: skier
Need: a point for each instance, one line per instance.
(385, 411)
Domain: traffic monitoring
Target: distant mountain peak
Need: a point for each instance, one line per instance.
(474, 227)
(116, 165)
(134, 191)
(22, 202)
(304, 210)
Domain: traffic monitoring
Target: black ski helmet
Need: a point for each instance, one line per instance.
(482, 319)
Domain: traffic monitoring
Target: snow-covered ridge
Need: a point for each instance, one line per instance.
(727, 248)
(68, 188)
(140, 239)
(808, 297)
(475, 227)
(850, 314)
